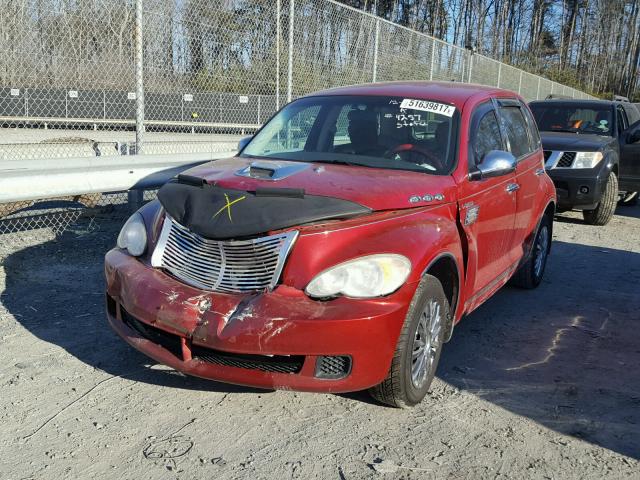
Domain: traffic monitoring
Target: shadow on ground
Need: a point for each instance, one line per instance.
(56, 291)
(566, 355)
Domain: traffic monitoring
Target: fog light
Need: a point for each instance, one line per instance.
(584, 190)
(333, 368)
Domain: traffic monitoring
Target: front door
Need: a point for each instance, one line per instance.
(630, 159)
(524, 144)
(487, 210)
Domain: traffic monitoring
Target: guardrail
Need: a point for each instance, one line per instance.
(45, 178)
(187, 124)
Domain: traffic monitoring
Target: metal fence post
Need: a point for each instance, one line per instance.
(520, 83)
(538, 92)
(375, 51)
(499, 74)
(290, 69)
(278, 34)
(139, 80)
(135, 197)
(259, 122)
(433, 58)
(470, 66)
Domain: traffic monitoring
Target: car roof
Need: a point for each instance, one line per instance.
(447, 92)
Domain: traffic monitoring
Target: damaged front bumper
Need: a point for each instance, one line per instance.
(276, 340)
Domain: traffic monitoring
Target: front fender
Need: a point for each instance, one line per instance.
(609, 164)
(420, 234)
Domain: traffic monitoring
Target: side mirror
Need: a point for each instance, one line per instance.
(634, 137)
(243, 142)
(494, 164)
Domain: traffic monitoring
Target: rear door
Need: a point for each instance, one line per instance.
(524, 143)
(487, 209)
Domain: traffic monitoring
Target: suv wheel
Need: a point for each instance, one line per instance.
(531, 272)
(604, 211)
(419, 346)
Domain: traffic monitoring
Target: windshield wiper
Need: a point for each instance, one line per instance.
(562, 130)
(342, 162)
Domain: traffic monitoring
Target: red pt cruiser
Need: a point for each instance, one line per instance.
(337, 250)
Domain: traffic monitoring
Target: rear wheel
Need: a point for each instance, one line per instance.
(531, 272)
(604, 211)
(418, 350)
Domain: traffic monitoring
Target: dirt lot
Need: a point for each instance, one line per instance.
(534, 384)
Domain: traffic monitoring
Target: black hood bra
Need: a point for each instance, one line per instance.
(219, 213)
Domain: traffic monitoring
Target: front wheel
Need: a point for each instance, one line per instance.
(531, 272)
(418, 350)
(604, 211)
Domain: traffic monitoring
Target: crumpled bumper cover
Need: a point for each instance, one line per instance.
(281, 323)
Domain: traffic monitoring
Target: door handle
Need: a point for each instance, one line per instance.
(540, 171)
(512, 187)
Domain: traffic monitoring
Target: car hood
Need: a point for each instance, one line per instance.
(374, 188)
(577, 142)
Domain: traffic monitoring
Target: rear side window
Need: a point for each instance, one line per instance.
(517, 131)
(534, 135)
(487, 137)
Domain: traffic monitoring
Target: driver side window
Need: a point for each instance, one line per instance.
(487, 137)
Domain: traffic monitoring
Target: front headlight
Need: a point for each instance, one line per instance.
(133, 236)
(587, 159)
(364, 277)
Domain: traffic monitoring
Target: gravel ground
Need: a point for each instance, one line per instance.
(534, 384)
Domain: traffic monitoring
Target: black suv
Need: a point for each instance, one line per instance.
(592, 153)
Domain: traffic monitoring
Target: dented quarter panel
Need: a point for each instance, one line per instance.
(419, 234)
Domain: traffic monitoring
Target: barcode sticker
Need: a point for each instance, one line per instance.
(427, 106)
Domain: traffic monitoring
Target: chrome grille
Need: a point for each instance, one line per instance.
(231, 266)
(555, 159)
(566, 160)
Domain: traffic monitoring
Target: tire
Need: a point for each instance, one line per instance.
(628, 198)
(407, 383)
(604, 211)
(530, 274)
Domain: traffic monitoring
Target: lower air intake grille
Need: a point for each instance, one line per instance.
(333, 367)
(566, 160)
(164, 339)
(264, 363)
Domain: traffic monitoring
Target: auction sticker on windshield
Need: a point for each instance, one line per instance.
(427, 106)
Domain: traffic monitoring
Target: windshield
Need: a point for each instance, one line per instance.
(554, 117)
(372, 131)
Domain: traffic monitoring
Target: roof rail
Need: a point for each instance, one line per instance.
(557, 95)
(620, 98)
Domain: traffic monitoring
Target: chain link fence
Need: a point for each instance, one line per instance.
(211, 71)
